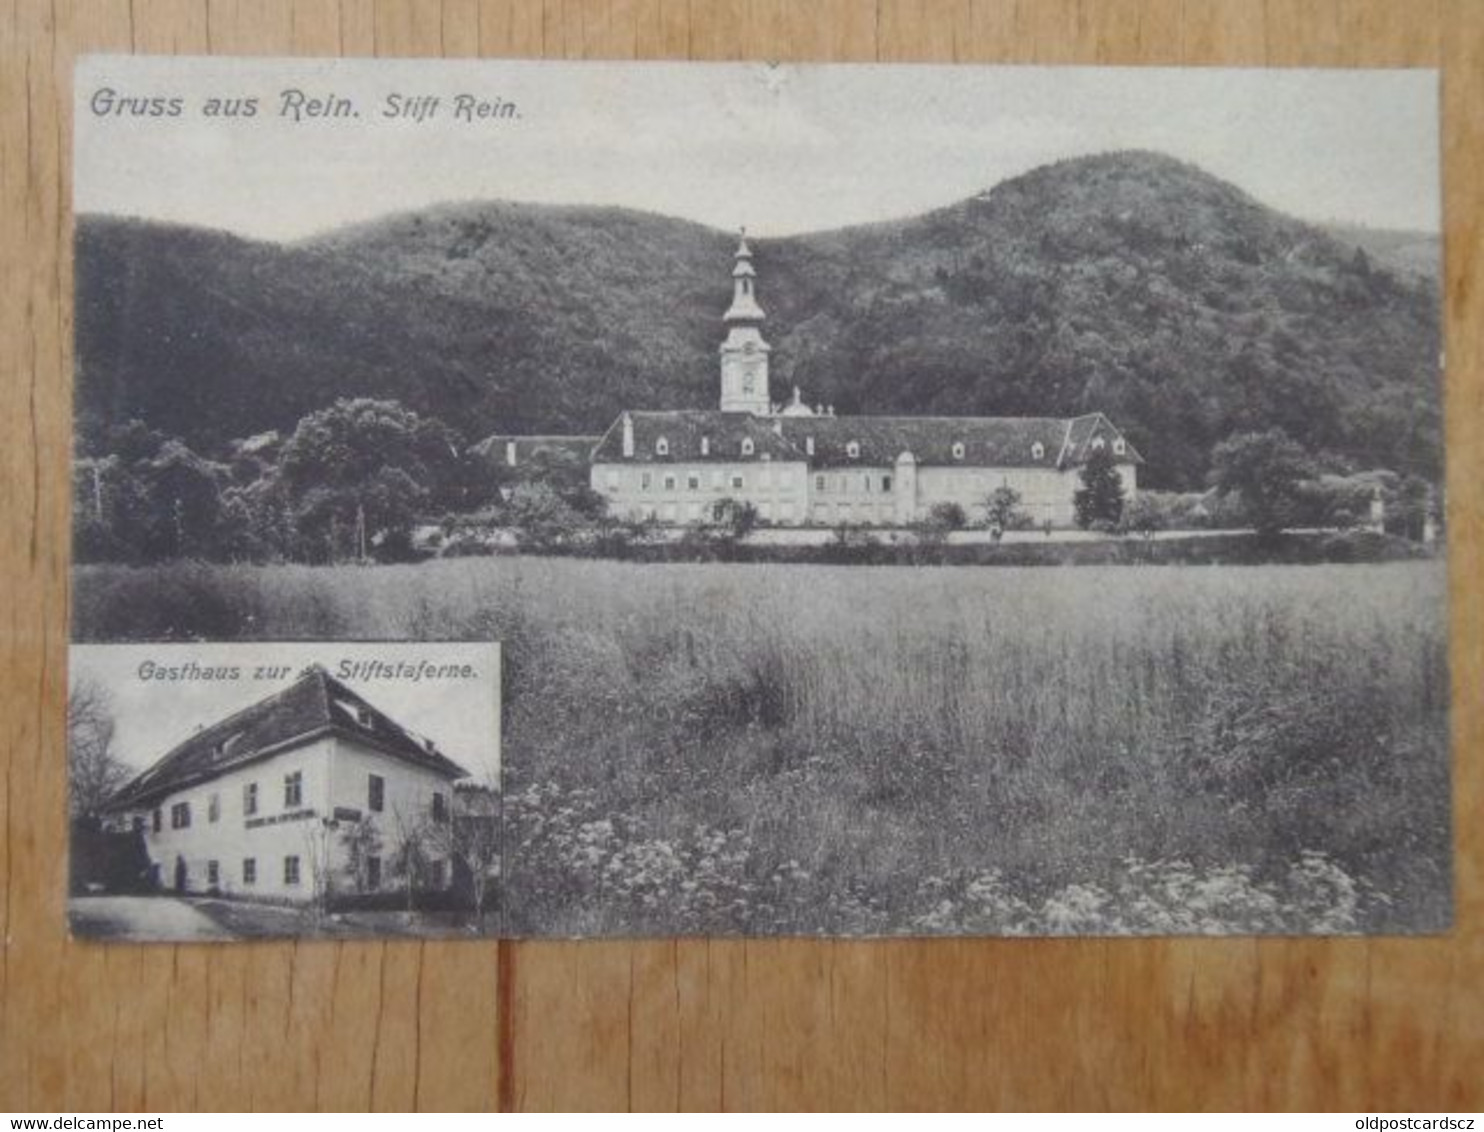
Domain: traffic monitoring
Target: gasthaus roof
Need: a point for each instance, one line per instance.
(314, 705)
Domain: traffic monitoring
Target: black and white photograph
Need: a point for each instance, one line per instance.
(909, 499)
(257, 790)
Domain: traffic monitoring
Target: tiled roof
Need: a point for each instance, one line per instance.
(314, 705)
(529, 447)
(987, 442)
(1085, 430)
(686, 432)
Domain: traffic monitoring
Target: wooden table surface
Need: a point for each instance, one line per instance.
(1385, 1024)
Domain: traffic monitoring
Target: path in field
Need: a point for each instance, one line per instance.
(141, 918)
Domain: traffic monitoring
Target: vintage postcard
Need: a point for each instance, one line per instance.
(250, 790)
(910, 500)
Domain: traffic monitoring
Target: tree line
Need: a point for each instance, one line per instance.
(348, 483)
(354, 479)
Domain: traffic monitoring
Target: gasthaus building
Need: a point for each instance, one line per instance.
(803, 466)
(255, 805)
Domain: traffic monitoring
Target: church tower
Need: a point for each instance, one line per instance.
(744, 354)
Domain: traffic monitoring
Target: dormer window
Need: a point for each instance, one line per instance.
(809, 445)
(958, 450)
(705, 446)
(1119, 447)
(747, 446)
(1038, 451)
(853, 449)
(662, 447)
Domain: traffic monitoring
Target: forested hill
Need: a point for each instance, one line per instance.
(1130, 283)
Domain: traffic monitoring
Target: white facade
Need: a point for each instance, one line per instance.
(680, 494)
(1046, 494)
(789, 493)
(858, 496)
(274, 828)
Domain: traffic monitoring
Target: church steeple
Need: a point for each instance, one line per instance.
(744, 353)
(744, 306)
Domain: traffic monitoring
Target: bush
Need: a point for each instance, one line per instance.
(947, 516)
(1002, 510)
(1142, 515)
(1268, 471)
(541, 519)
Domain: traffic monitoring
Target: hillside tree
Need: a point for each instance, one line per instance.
(541, 518)
(471, 837)
(95, 773)
(1002, 509)
(361, 841)
(1266, 470)
(1099, 499)
(357, 474)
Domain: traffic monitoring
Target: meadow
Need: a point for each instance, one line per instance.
(803, 749)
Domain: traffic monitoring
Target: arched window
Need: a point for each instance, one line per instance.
(1119, 447)
(1097, 445)
(705, 446)
(747, 446)
(662, 447)
(1038, 451)
(853, 449)
(958, 450)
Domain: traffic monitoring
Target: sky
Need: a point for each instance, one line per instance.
(780, 149)
(151, 716)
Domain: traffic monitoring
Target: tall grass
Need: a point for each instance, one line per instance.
(796, 749)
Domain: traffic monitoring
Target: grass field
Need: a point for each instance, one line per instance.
(800, 749)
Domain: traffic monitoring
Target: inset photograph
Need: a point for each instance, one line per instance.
(257, 790)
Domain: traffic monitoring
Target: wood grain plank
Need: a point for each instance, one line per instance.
(1460, 963)
(1304, 33)
(509, 28)
(1217, 33)
(1049, 31)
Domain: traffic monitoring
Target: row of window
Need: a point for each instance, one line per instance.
(293, 798)
(868, 482)
(293, 872)
(376, 798)
(180, 812)
(669, 482)
(853, 448)
(737, 482)
(747, 447)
